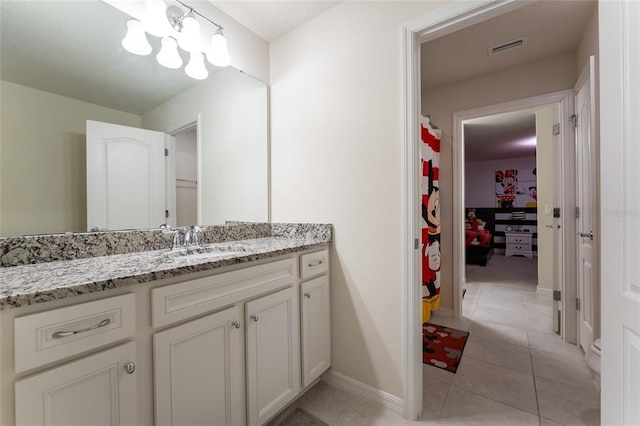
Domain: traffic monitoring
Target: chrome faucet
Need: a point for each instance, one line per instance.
(191, 236)
(175, 241)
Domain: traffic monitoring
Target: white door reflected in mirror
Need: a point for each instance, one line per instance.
(125, 177)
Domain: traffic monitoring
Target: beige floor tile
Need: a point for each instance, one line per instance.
(499, 353)
(433, 396)
(466, 408)
(559, 368)
(502, 332)
(537, 320)
(547, 422)
(499, 315)
(551, 342)
(501, 384)
(430, 373)
(505, 303)
(461, 324)
(571, 405)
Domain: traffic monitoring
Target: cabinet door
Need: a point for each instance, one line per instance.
(273, 353)
(199, 371)
(316, 328)
(96, 390)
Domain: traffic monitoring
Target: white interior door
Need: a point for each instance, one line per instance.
(619, 61)
(125, 177)
(586, 202)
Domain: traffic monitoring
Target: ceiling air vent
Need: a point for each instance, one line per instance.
(514, 44)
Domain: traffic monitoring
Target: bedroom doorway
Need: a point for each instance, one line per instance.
(512, 163)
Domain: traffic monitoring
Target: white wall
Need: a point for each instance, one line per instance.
(479, 178)
(233, 157)
(336, 116)
(43, 167)
(523, 81)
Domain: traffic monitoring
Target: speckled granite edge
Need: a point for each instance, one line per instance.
(44, 282)
(27, 250)
(323, 231)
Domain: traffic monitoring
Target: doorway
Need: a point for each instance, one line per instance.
(186, 176)
(448, 20)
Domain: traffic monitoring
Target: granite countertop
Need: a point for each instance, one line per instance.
(42, 282)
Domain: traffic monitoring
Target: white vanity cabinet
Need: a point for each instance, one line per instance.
(199, 371)
(200, 365)
(273, 354)
(96, 390)
(315, 318)
(100, 389)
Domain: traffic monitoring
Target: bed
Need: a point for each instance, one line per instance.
(479, 228)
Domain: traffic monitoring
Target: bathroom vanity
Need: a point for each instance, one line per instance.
(228, 334)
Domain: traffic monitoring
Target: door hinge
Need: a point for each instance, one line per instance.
(166, 214)
(557, 295)
(574, 119)
(577, 304)
(555, 129)
(166, 152)
(556, 212)
(577, 212)
(416, 244)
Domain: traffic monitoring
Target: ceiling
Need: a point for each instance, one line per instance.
(271, 19)
(551, 28)
(508, 135)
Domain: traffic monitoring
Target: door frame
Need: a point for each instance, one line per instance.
(565, 100)
(437, 23)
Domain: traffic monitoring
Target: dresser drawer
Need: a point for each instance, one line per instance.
(525, 239)
(60, 333)
(520, 248)
(314, 263)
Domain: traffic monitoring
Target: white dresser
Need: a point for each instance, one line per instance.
(519, 244)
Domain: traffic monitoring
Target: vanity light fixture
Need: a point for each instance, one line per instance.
(176, 28)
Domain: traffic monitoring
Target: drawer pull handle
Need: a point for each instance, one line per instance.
(129, 367)
(236, 323)
(307, 295)
(59, 334)
(254, 317)
(316, 263)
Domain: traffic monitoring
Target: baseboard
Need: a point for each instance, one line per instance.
(544, 290)
(364, 391)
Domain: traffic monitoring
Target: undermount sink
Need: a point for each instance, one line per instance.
(202, 252)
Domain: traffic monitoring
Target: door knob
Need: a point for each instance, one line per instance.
(307, 295)
(236, 323)
(254, 317)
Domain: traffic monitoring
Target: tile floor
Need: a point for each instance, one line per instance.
(514, 371)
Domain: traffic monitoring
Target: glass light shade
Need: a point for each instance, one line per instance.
(168, 55)
(218, 54)
(155, 19)
(136, 41)
(195, 68)
(189, 38)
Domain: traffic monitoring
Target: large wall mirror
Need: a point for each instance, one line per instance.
(62, 64)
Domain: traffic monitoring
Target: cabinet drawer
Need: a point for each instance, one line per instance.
(181, 301)
(519, 240)
(314, 263)
(519, 247)
(52, 335)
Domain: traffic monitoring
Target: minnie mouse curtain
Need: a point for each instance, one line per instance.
(430, 160)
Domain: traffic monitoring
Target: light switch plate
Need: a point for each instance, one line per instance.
(548, 209)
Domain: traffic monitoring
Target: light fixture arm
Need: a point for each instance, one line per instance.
(176, 21)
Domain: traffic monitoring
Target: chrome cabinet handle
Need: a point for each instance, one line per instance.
(585, 235)
(307, 295)
(254, 317)
(59, 334)
(236, 323)
(316, 263)
(129, 367)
